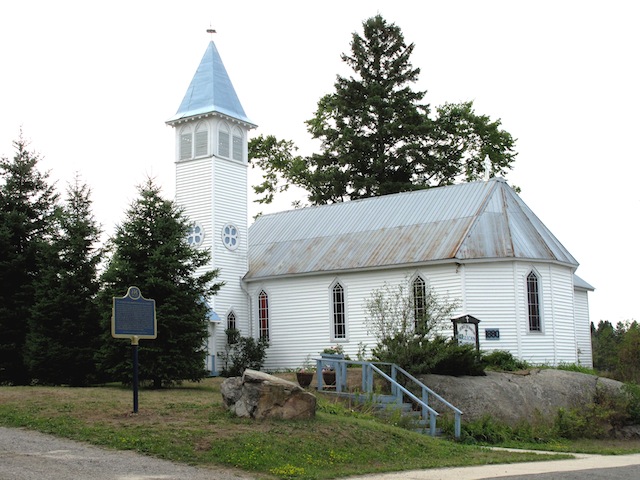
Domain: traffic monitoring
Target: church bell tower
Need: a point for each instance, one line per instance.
(211, 131)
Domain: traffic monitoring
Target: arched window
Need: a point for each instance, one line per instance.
(237, 144)
(419, 291)
(339, 313)
(533, 302)
(231, 328)
(201, 140)
(223, 141)
(263, 314)
(186, 141)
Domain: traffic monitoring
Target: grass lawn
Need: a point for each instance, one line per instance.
(189, 424)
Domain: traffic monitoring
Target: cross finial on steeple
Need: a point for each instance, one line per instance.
(211, 31)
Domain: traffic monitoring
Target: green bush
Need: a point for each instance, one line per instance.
(486, 430)
(632, 395)
(406, 324)
(242, 353)
(454, 359)
(503, 361)
(608, 411)
(573, 424)
(438, 355)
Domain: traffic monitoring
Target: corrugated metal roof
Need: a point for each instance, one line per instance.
(210, 91)
(582, 284)
(478, 220)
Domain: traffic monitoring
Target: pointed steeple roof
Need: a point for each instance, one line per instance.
(210, 91)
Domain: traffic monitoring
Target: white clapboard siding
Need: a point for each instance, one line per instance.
(495, 293)
(194, 194)
(563, 305)
(300, 310)
(556, 343)
(212, 192)
(230, 207)
(296, 326)
(583, 328)
(489, 295)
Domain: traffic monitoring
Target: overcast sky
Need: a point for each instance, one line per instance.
(92, 83)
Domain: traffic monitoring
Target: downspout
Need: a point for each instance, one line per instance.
(246, 292)
(520, 320)
(553, 315)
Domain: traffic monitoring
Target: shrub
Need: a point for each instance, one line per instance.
(454, 359)
(486, 430)
(242, 353)
(408, 333)
(608, 410)
(632, 394)
(573, 424)
(438, 355)
(503, 361)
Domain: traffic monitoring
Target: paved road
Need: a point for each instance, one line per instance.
(583, 467)
(27, 455)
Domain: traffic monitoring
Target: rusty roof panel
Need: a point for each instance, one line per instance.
(466, 221)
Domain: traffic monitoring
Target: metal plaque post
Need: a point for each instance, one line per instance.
(134, 347)
(134, 317)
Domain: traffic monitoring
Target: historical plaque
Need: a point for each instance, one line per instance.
(133, 316)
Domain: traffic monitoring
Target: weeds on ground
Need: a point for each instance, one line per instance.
(609, 411)
(574, 367)
(190, 424)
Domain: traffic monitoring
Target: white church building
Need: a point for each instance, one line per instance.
(302, 277)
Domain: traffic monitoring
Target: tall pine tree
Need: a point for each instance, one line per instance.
(378, 137)
(27, 206)
(150, 251)
(64, 325)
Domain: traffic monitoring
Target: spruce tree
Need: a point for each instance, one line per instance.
(377, 135)
(27, 206)
(64, 325)
(149, 250)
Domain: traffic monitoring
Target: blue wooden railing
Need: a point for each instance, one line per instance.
(338, 364)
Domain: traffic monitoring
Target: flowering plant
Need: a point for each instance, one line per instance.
(307, 365)
(337, 350)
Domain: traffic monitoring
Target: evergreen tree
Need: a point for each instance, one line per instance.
(378, 137)
(27, 205)
(64, 326)
(605, 342)
(629, 354)
(149, 251)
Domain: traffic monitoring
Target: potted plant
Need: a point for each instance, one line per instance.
(304, 375)
(334, 352)
(328, 375)
(328, 369)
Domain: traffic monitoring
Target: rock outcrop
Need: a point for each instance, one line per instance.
(260, 395)
(511, 397)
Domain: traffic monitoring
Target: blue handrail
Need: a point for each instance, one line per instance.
(338, 364)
